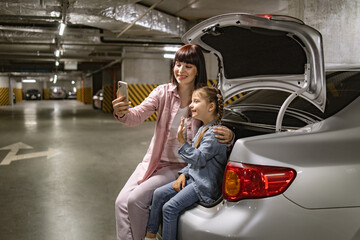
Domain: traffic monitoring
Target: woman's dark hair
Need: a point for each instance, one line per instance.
(192, 54)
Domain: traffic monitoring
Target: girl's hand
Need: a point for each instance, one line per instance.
(180, 132)
(223, 134)
(120, 107)
(179, 183)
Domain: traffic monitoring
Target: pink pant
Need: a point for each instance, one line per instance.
(133, 201)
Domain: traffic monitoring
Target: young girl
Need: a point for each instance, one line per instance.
(201, 179)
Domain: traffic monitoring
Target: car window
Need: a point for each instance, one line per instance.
(341, 89)
(32, 90)
(261, 106)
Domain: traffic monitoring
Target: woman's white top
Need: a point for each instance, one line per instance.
(172, 145)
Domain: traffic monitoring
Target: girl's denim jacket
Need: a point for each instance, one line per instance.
(206, 164)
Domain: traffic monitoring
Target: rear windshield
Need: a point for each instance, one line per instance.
(32, 91)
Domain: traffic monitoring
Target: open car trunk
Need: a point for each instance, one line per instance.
(264, 52)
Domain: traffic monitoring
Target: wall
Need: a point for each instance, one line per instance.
(339, 23)
(211, 66)
(149, 71)
(38, 85)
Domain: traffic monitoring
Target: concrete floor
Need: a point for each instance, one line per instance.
(62, 165)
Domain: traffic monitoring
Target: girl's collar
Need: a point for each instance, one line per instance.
(210, 123)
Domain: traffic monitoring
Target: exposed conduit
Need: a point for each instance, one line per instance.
(140, 17)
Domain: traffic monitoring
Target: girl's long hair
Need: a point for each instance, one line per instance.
(192, 54)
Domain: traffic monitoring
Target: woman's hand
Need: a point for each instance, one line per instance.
(180, 132)
(120, 106)
(179, 183)
(223, 134)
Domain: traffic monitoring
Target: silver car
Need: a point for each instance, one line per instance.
(98, 99)
(294, 170)
(57, 92)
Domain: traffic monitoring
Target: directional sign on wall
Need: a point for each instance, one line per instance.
(14, 148)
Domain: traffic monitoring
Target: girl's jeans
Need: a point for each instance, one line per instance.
(170, 203)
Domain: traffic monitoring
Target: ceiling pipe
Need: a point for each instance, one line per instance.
(108, 65)
(140, 17)
(27, 29)
(41, 74)
(74, 32)
(105, 67)
(64, 6)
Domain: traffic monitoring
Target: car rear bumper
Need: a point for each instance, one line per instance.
(270, 218)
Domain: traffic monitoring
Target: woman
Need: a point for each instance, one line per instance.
(161, 162)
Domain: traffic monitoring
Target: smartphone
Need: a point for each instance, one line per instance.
(123, 90)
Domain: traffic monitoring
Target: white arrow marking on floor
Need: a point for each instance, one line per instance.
(14, 148)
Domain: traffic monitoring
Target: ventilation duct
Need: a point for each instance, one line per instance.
(112, 15)
(117, 17)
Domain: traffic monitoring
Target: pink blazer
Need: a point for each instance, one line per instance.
(165, 100)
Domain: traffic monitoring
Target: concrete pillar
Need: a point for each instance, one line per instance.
(18, 92)
(87, 90)
(109, 88)
(15, 91)
(46, 93)
(78, 90)
(4, 91)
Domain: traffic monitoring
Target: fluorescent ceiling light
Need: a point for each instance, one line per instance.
(28, 80)
(57, 53)
(168, 55)
(56, 63)
(171, 49)
(62, 28)
(55, 78)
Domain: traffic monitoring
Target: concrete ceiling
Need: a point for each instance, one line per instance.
(98, 31)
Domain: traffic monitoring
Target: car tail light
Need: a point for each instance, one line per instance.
(255, 181)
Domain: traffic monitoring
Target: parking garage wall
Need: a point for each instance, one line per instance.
(339, 23)
(146, 71)
(28, 86)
